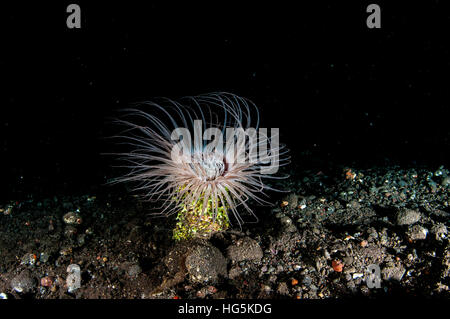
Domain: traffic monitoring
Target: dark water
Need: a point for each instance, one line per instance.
(335, 89)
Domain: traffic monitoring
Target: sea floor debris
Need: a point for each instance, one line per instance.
(334, 234)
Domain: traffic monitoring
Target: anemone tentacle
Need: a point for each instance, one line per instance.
(208, 183)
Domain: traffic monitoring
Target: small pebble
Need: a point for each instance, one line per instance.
(357, 275)
(23, 283)
(407, 217)
(46, 281)
(440, 231)
(72, 218)
(445, 181)
(43, 257)
(307, 281)
(70, 231)
(337, 265)
(28, 259)
(134, 270)
(417, 232)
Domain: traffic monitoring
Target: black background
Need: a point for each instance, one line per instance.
(335, 88)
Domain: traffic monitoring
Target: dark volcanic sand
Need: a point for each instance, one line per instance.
(317, 241)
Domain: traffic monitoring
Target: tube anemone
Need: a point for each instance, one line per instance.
(204, 157)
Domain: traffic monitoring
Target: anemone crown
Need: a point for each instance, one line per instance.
(196, 172)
